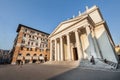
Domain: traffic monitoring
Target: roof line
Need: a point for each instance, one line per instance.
(20, 25)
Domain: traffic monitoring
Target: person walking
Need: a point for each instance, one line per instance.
(21, 63)
(92, 60)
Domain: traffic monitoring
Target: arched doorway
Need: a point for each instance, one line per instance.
(34, 58)
(19, 58)
(27, 60)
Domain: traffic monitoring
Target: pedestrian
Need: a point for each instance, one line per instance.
(105, 60)
(21, 63)
(92, 60)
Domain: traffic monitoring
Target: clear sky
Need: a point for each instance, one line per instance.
(45, 15)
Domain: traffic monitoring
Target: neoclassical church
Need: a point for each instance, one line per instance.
(81, 37)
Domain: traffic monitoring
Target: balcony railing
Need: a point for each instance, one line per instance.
(19, 57)
(35, 57)
(28, 57)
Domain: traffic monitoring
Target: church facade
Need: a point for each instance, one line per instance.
(81, 37)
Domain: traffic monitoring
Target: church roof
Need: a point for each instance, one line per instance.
(76, 19)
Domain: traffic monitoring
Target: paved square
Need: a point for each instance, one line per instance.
(53, 72)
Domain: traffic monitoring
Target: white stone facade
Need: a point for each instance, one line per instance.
(82, 37)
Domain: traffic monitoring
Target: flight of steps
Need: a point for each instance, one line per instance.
(98, 64)
(84, 63)
(114, 65)
(65, 63)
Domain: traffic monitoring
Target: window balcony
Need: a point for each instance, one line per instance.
(35, 57)
(19, 57)
(28, 57)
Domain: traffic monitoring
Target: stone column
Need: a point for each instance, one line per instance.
(91, 44)
(78, 45)
(68, 48)
(55, 50)
(51, 53)
(58, 51)
(61, 48)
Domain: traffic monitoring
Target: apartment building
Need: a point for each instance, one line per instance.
(29, 45)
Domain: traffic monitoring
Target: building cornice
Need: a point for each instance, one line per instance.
(21, 25)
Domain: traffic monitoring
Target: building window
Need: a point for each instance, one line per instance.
(41, 49)
(35, 49)
(40, 54)
(32, 43)
(43, 35)
(35, 54)
(27, 49)
(25, 30)
(23, 41)
(19, 54)
(37, 33)
(37, 38)
(29, 36)
(24, 35)
(36, 44)
(32, 32)
(30, 49)
(28, 43)
(33, 37)
(22, 48)
(47, 49)
(28, 54)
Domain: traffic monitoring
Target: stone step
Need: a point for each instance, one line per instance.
(68, 63)
(98, 64)
(114, 65)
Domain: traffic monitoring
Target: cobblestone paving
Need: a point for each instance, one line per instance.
(54, 72)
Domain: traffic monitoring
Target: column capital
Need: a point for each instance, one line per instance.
(61, 36)
(68, 34)
(89, 26)
(77, 30)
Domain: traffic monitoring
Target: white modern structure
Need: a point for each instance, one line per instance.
(82, 37)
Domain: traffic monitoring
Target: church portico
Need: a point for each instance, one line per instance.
(69, 46)
(82, 37)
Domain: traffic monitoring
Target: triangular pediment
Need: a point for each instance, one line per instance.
(63, 26)
(93, 14)
(66, 24)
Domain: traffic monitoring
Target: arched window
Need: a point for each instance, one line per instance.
(19, 54)
(28, 54)
(40, 54)
(35, 54)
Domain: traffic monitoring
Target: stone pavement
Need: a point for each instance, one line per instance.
(54, 72)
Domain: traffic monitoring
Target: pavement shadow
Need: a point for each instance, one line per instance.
(87, 74)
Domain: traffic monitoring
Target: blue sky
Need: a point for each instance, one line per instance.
(45, 15)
